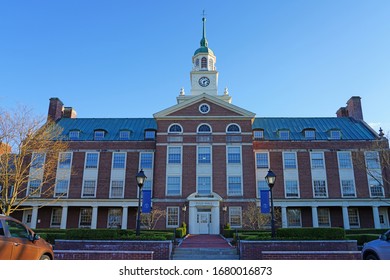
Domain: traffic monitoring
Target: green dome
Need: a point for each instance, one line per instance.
(204, 50)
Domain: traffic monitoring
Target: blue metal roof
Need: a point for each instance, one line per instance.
(350, 128)
(112, 126)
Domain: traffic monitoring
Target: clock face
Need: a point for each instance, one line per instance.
(204, 81)
(204, 108)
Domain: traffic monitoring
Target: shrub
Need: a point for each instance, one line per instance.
(311, 233)
(181, 232)
(362, 238)
(228, 233)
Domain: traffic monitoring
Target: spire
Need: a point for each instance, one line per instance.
(203, 42)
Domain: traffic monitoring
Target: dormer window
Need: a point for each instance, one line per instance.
(258, 134)
(203, 63)
(99, 135)
(284, 134)
(74, 135)
(335, 134)
(150, 135)
(310, 134)
(124, 135)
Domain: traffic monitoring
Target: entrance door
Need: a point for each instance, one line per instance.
(27, 215)
(383, 218)
(203, 220)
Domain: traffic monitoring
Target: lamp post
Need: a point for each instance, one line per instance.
(140, 177)
(184, 209)
(270, 178)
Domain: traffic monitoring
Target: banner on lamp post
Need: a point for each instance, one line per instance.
(264, 201)
(146, 201)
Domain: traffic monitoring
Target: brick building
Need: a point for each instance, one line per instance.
(205, 160)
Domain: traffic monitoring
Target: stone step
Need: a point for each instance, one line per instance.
(205, 254)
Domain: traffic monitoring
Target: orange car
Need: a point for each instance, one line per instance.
(19, 242)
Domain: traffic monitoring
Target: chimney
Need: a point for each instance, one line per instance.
(342, 112)
(55, 109)
(354, 107)
(69, 112)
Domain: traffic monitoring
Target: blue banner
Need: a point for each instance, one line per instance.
(264, 201)
(146, 201)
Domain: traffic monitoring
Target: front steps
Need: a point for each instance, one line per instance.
(205, 254)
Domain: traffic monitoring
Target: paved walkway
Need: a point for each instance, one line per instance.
(205, 241)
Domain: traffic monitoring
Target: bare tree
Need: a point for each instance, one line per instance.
(150, 220)
(29, 153)
(255, 220)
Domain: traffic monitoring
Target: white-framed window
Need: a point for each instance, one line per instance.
(114, 219)
(372, 160)
(294, 217)
(233, 128)
(235, 217)
(262, 160)
(150, 135)
(284, 134)
(34, 187)
(91, 160)
(376, 189)
(61, 188)
(323, 215)
(74, 135)
(261, 185)
(99, 135)
(172, 217)
(204, 185)
(353, 217)
(234, 186)
(204, 128)
(38, 160)
(310, 134)
(175, 129)
(119, 160)
(348, 188)
(85, 219)
(344, 160)
(258, 134)
(56, 214)
(173, 185)
(174, 155)
(146, 160)
(335, 134)
(317, 160)
(319, 188)
(204, 154)
(290, 160)
(117, 189)
(65, 160)
(89, 188)
(124, 135)
(291, 188)
(234, 154)
(211, 64)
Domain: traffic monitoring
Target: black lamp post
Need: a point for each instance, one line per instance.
(140, 177)
(270, 178)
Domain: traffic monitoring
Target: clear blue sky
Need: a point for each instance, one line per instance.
(130, 58)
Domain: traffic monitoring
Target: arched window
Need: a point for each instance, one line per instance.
(204, 62)
(233, 128)
(175, 128)
(197, 62)
(204, 128)
(211, 64)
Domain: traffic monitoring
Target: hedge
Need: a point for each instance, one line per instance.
(310, 233)
(362, 238)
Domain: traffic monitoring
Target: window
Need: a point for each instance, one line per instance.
(317, 160)
(56, 214)
(174, 155)
(91, 160)
(291, 188)
(204, 128)
(146, 160)
(376, 189)
(124, 135)
(173, 185)
(89, 188)
(203, 62)
(233, 128)
(323, 215)
(34, 188)
(85, 218)
(234, 154)
(320, 189)
(64, 160)
(99, 135)
(74, 135)
(61, 188)
(294, 217)
(175, 128)
(234, 186)
(204, 155)
(262, 160)
(172, 217)
(114, 218)
(261, 185)
(353, 216)
(197, 62)
(372, 160)
(258, 134)
(150, 135)
(348, 188)
(119, 160)
(117, 187)
(345, 160)
(335, 135)
(37, 160)
(235, 217)
(310, 134)
(204, 185)
(211, 64)
(290, 160)
(284, 134)
(16, 230)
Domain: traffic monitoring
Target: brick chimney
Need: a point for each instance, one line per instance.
(69, 112)
(353, 109)
(55, 109)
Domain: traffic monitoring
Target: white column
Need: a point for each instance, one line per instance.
(94, 217)
(125, 212)
(375, 213)
(214, 220)
(192, 227)
(284, 217)
(64, 217)
(346, 218)
(34, 217)
(314, 216)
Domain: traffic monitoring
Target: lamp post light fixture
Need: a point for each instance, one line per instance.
(140, 177)
(270, 178)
